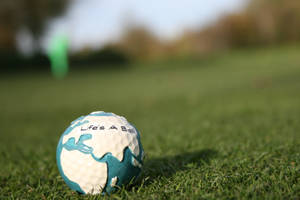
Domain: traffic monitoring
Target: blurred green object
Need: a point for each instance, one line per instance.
(58, 55)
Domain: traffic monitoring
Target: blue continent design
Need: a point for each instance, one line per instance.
(123, 170)
(71, 184)
(80, 146)
(101, 113)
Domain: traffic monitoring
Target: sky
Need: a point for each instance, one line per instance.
(95, 23)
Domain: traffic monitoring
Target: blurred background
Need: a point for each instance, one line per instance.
(122, 32)
(219, 76)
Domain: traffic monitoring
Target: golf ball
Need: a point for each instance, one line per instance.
(99, 153)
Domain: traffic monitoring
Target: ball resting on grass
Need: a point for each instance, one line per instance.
(99, 153)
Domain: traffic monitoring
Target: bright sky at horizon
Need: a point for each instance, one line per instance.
(94, 23)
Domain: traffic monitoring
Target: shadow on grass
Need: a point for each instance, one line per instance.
(167, 166)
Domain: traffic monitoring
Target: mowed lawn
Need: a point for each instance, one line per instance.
(224, 127)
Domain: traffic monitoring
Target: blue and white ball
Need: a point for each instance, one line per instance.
(99, 153)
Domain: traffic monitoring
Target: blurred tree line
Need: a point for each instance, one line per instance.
(262, 22)
(30, 14)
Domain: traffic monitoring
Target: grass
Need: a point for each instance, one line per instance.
(222, 128)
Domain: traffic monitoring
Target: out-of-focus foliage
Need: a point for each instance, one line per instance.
(262, 22)
(11, 62)
(30, 14)
(91, 57)
(277, 20)
(138, 42)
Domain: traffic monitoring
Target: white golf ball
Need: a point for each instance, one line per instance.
(99, 152)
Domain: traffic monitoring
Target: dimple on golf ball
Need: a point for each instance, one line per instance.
(99, 153)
